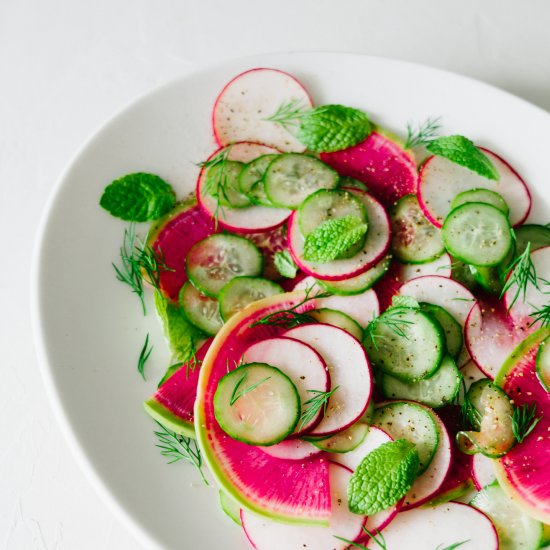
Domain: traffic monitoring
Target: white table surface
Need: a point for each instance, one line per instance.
(67, 65)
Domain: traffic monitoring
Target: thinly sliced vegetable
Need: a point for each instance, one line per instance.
(543, 364)
(201, 310)
(344, 441)
(229, 507)
(338, 319)
(537, 235)
(450, 326)
(481, 195)
(292, 449)
(253, 173)
(226, 175)
(483, 471)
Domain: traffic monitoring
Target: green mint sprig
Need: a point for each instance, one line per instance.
(285, 264)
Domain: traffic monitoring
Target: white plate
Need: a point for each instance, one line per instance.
(89, 328)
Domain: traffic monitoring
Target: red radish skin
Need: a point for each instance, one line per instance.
(523, 471)
(292, 449)
(388, 171)
(249, 98)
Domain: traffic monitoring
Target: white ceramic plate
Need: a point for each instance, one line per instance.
(90, 329)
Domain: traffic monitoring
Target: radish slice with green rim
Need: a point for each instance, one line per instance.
(248, 99)
(292, 449)
(543, 364)
(265, 534)
(250, 219)
(483, 471)
(349, 371)
(230, 508)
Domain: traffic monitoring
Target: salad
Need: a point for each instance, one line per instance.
(358, 323)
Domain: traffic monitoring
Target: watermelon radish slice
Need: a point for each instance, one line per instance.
(441, 526)
(292, 449)
(264, 534)
(300, 362)
(269, 243)
(172, 405)
(376, 245)
(491, 334)
(251, 97)
(388, 171)
(523, 471)
(483, 471)
(172, 236)
(442, 180)
(349, 370)
(295, 491)
(251, 219)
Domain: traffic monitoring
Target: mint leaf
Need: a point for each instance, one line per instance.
(462, 151)
(404, 301)
(138, 197)
(285, 264)
(384, 476)
(332, 238)
(332, 128)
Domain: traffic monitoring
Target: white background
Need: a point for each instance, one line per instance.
(67, 65)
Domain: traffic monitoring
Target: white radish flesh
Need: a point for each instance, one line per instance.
(292, 449)
(483, 471)
(440, 266)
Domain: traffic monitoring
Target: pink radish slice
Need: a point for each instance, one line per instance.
(388, 171)
(269, 243)
(172, 236)
(483, 471)
(292, 449)
(442, 180)
(376, 245)
(300, 362)
(251, 219)
(491, 334)
(440, 526)
(349, 371)
(471, 373)
(265, 534)
(248, 99)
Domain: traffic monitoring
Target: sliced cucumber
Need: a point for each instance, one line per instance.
(257, 404)
(516, 530)
(405, 343)
(492, 279)
(414, 239)
(201, 310)
(435, 391)
(222, 182)
(478, 234)
(338, 319)
(481, 195)
(352, 183)
(461, 273)
(292, 177)
(543, 364)
(345, 441)
(214, 261)
(229, 507)
(253, 173)
(258, 195)
(412, 422)
(451, 327)
(537, 235)
(242, 291)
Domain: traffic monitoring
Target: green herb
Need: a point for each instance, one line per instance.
(378, 539)
(138, 197)
(541, 315)
(521, 273)
(237, 394)
(404, 301)
(462, 151)
(390, 319)
(469, 415)
(423, 134)
(285, 264)
(190, 365)
(384, 476)
(143, 356)
(452, 546)
(524, 421)
(176, 447)
(332, 238)
(288, 114)
(316, 403)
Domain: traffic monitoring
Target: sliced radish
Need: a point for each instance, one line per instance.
(264, 534)
(269, 243)
(483, 471)
(251, 97)
(249, 219)
(388, 171)
(471, 373)
(300, 362)
(442, 180)
(440, 266)
(292, 449)
(376, 245)
(440, 526)
(349, 372)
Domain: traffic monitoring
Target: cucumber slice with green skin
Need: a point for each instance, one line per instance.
(214, 261)
(257, 404)
(347, 181)
(478, 234)
(292, 177)
(543, 364)
(516, 530)
(537, 235)
(491, 415)
(412, 422)
(258, 195)
(438, 390)
(242, 291)
(338, 319)
(405, 343)
(481, 195)
(230, 508)
(228, 173)
(201, 310)
(345, 441)
(451, 327)
(414, 239)
(253, 172)
(492, 279)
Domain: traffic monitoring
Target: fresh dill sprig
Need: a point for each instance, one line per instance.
(237, 394)
(423, 133)
(461, 393)
(143, 356)
(521, 273)
(176, 447)
(288, 114)
(390, 318)
(378, 539)
(452, 546)
(542, 314)
(469, 415)
(524, 421)
(316, 403)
